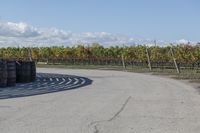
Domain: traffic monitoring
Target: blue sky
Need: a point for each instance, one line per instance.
(155, 19)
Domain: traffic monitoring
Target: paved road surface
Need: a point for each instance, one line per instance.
(116, 102)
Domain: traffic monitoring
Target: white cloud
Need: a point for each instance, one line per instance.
(182, 41)
(22, 34)
(9, 29)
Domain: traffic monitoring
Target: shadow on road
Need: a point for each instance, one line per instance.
(45, 83)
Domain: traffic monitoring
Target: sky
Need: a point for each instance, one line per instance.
(103, 21)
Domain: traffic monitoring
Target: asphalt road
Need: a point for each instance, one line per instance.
(115, 102)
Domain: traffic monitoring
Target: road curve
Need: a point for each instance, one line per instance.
(115, 102)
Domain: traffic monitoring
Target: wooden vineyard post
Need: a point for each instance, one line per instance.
(2, 54)
(123, 62)
(148, 58)
(174, 59)
(30, 54)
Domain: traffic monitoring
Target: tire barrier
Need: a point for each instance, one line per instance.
(45, 83)
(12, 72)
(23, 72)
(33, 71)
(3, 73)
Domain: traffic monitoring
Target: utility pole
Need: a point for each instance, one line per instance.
(174, 59)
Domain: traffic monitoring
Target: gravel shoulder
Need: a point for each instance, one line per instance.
(116, 102)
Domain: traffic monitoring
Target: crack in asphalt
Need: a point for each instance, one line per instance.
(96, 129)
(96, 123)
(121, 109)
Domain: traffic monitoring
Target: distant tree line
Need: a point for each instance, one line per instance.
(182, 53)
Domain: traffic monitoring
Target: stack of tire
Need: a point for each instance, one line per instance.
(26, 71)
(3, 73)
(12, 72)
